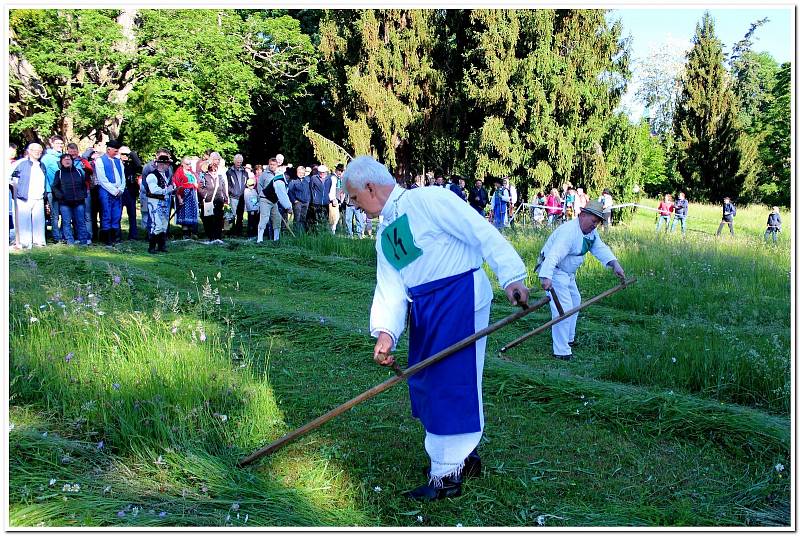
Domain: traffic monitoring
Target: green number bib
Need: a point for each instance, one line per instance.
(397, 244)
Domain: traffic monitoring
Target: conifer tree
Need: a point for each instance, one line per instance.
(713, 159)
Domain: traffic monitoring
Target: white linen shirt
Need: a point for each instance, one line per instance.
(453, 238)
(563, 248)
(102, 180)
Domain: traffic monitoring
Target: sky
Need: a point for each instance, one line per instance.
(674, 27)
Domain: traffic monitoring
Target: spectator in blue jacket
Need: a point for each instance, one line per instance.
(773, 225)
(320, 185)
(681, 211)
(728, 213)
(300, 196)
(55, 145)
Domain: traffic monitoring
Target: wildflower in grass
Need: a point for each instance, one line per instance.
(69, 357)
(34, 319)
(27, 306)
(43, 306)
(540, 520)
(174, 330)
(459, 525)
(246, 517)
(235, 507)
(377, 489)
(116, 386)
(162, 514)
(66, 459)
(107, 489)
(204, 489)
(202, 336)
(100, 313)
(11, 426)
(79, 299)
(121, 513)
(779, 467)
(419, 519)
(674, 360)
(44, 434)
(218, 276)
(52, 482)
(227, 518)
(100, 445)
(116, 280)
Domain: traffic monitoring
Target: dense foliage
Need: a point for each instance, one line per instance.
(529, 94)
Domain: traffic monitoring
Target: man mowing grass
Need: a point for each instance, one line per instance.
(431, 246)
(560, 258)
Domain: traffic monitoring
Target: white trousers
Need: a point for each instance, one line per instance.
(30, 222)
(447, 452)
(567, 291)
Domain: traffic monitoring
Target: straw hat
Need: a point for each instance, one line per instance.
(594, 208)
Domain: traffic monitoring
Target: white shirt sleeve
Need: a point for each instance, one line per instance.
(283, 197)
(557, 251)
(102, 180)
(602, 252)
(152, 185)
(390, 302)
(464, 223)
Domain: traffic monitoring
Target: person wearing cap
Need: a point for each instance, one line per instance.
(111, 178)
(430, 250)
(148, 169)
(157, 189)
(133, 167)
(320, 186)
(561, 256)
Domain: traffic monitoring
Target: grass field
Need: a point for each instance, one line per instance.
(138, 381)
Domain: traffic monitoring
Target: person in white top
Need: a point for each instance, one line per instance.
(28, 178)
(561, 256)
(431, 246)
(111, 178)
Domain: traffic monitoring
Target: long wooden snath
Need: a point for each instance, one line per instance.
(401, 375)
(569, 313)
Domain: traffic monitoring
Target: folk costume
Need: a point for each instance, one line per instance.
(561, 256)
(431, 246)
(111, 178)
(158, 203)
(500, 201)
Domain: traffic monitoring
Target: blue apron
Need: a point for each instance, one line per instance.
(444, 396)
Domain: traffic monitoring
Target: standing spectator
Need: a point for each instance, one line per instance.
(96, 208)
(148, 169)
(85, 166)
(300, 197)
(454, 187)
(728, 213)
(275, 194)
(264, 208)
(607, 201)
(186, 211)
(28, 180)
(50, 160)
(665, 209)
(69, 188)
(512, 205)
(237, 182)
(12, 157)
(479, 197)
(133, 168)
(500, 201)
(353, 212)
(581, 199)
(553, 204)
(773, 225)
(158, 190)
(569, 203)
(320, 185)
(211, 190)
(111, 178)
(681, 211)
(252, 207)
(538, 215)
(336, 197)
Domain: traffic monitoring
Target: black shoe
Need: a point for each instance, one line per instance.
(162, 242)
(451, 487)
(117, 235)
(472, 466)
(105, 236)
(563, 357)
(573, 344)
(152, 248)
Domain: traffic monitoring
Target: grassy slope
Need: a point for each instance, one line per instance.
(178, 387)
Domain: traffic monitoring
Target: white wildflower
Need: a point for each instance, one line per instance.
(459, 525)
(246, 517)
(11, 426)
(52, 481)
(218, 276)
(779, 467)
(674, 360)
(540, 520)
(34, 319)
(419, 519)
(202, 336)
(43, 306)
(377, 489)
(44, 434)
(235, 507)
(107, 489)
(227, 518)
